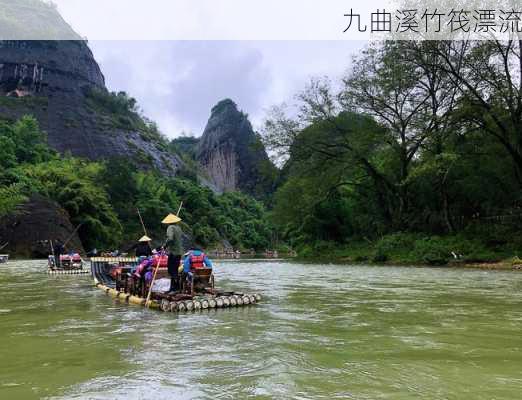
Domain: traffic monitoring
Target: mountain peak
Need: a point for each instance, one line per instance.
(231, 154)
(225, 105)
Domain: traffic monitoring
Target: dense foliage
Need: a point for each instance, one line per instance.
(121, 111)
(416, 157)
(104, 197)
(208, 218)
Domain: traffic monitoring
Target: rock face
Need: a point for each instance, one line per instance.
(61, 85)
(33, 224)
(231, 155)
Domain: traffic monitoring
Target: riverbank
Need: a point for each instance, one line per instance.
(502, 265)
(418, 249)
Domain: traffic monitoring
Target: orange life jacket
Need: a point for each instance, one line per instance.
(197, 262)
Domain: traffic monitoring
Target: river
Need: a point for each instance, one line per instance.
(321, 332)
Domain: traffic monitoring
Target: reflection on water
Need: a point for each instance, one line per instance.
(321, 332)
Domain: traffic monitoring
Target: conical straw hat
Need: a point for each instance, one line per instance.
(171, 219)
(145, 239)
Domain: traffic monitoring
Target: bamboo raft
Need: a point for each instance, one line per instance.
(179, 302)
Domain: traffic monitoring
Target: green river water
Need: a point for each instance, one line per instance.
(321, 332)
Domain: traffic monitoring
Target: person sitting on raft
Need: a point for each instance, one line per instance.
(143, 248)
(143, 273)
(195, 259)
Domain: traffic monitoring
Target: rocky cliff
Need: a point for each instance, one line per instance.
(231, 155)
(60, 83)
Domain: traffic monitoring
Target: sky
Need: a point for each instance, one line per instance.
(178, 82)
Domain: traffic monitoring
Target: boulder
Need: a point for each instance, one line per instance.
(33, 224)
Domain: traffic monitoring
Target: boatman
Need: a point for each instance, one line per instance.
(174, 247)
(58, 250)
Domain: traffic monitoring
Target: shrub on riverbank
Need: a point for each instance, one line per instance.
(409, 248)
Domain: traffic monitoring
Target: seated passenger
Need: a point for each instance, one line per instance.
(195, 259)
(142, 276)
(143, 248)
(144, 266)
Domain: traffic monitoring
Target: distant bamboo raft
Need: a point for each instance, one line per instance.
(196, 304)
(68, 271)
(114, 260)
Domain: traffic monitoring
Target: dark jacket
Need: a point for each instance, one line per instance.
(58, 249)
(143, 249)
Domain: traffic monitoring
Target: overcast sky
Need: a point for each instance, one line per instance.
(178, 82)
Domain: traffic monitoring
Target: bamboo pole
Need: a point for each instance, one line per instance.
(147, 304)
(141, 220)
(54, 256)
(72, 234)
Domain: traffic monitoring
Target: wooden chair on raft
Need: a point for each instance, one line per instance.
(202, 280)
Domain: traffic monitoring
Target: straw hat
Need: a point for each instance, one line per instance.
(171, 219)
(145, 239)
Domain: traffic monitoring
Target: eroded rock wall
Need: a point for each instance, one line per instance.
(53, 81)
(231, 154)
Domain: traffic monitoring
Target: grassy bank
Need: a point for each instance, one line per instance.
(419, 249)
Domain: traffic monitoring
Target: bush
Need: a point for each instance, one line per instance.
(516, 261)
(397, 246)
(482, 255)
(306, 251)
(10, 197)
(432, 251)
(380, 257)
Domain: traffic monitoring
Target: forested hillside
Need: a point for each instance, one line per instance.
(104, 196)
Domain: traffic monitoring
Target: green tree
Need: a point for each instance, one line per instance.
(74, 184)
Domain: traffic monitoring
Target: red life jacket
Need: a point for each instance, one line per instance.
(163, 260)
(197, 262)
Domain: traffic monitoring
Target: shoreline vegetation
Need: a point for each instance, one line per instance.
(511, 264)
(419, 250)
(413, 157)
